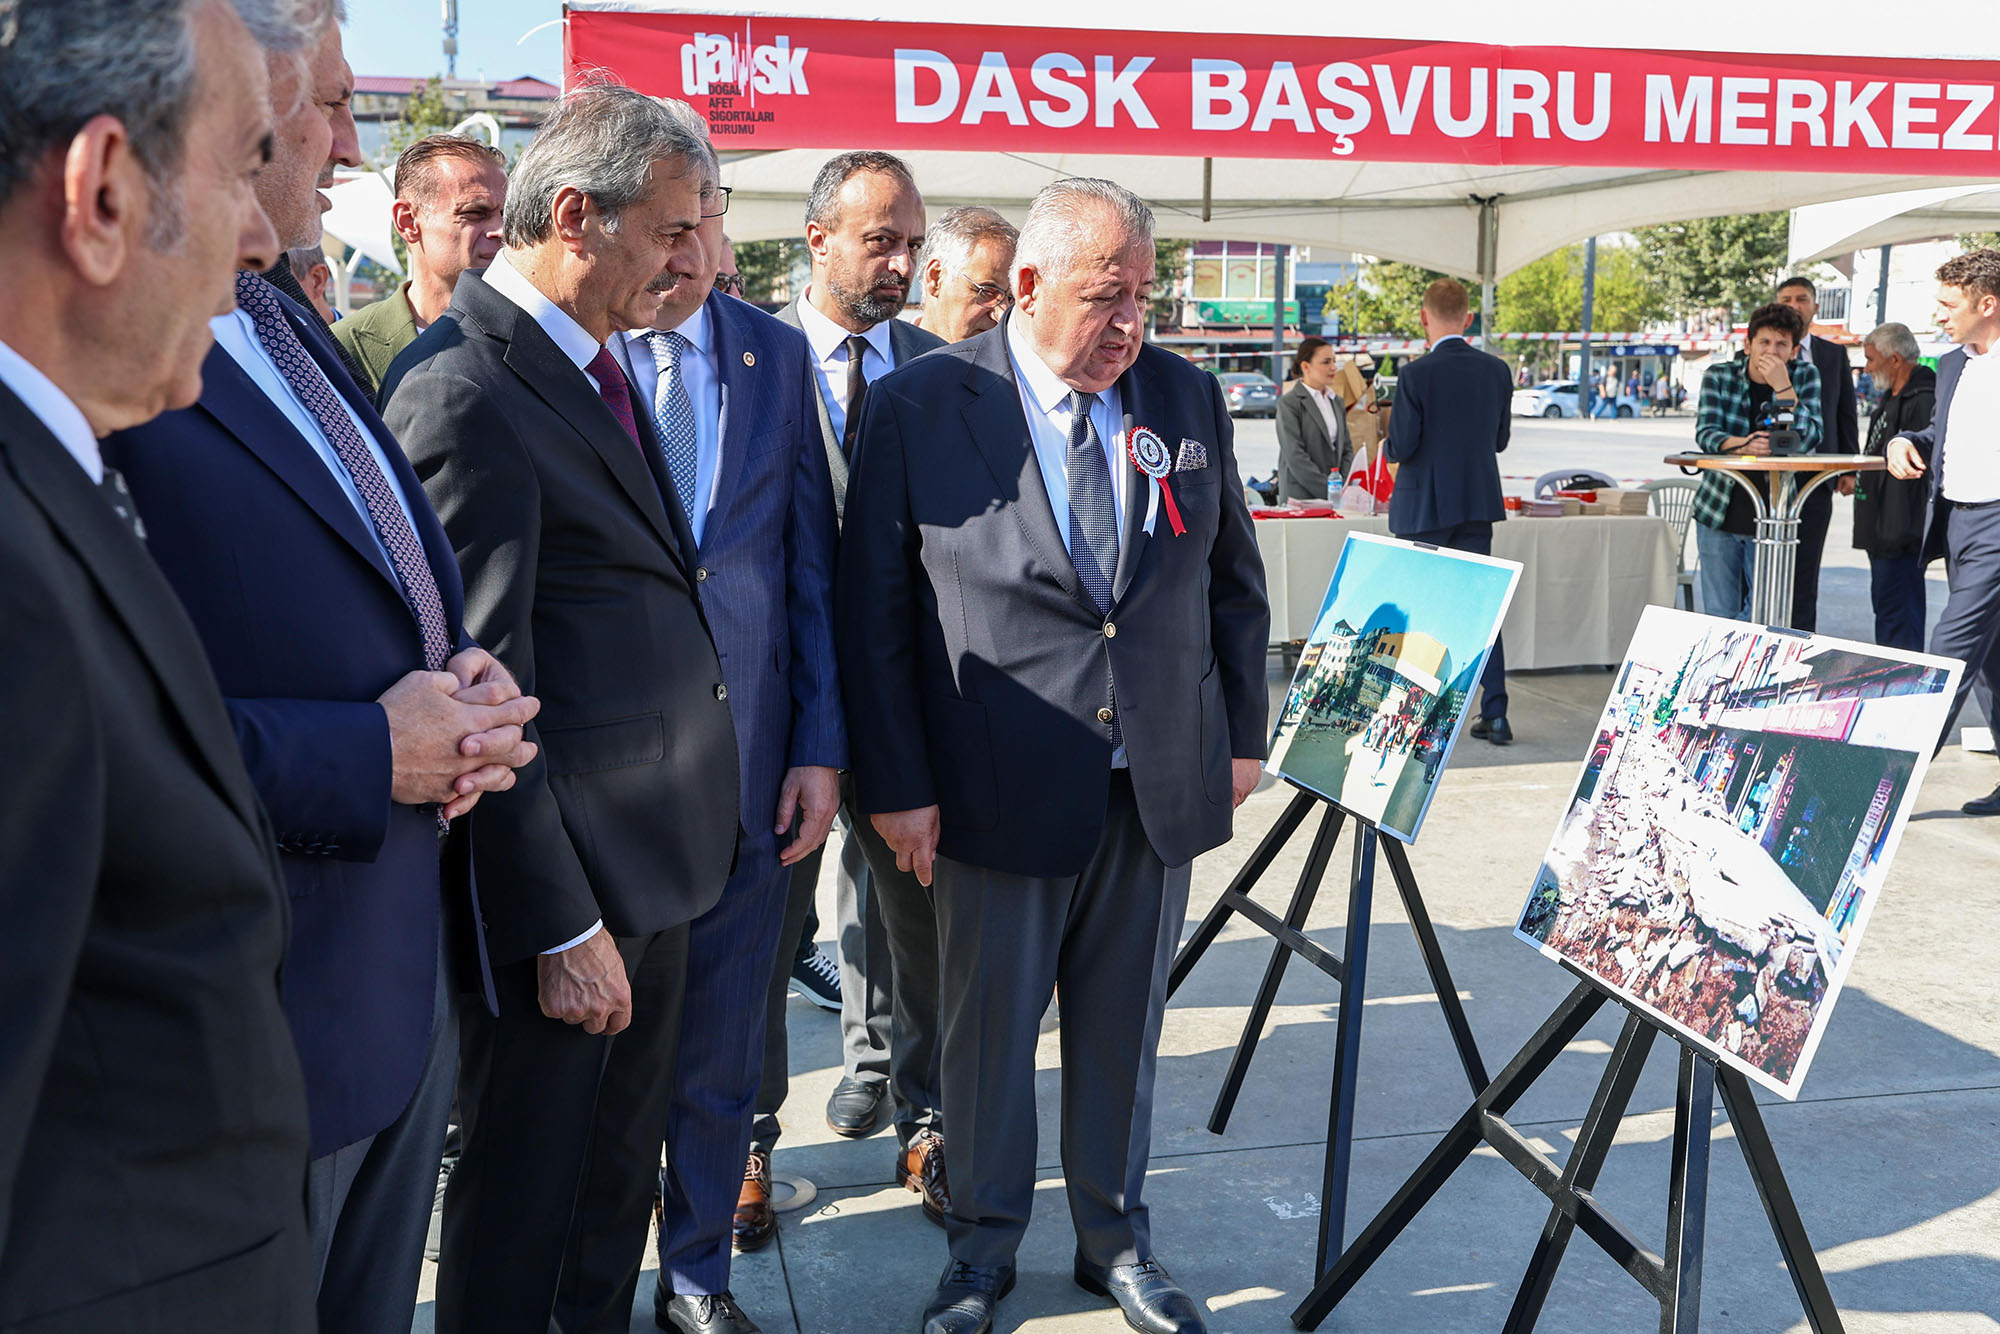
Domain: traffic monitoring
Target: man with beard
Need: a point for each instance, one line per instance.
(865, 229)
(328, 599)
(449, 193)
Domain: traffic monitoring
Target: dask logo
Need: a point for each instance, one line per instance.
(713, 59)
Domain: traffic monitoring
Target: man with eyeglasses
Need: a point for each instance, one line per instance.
(966, 258)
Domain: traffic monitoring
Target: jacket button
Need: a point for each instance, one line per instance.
(721, 691)
(1104, 715)
(701, 575)
(1110, 630)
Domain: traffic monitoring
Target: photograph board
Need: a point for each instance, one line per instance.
(1385, 678)
(1738, 809)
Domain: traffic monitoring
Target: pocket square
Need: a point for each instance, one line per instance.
(1193, 455)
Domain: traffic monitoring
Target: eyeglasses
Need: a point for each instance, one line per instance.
(731, 283)
(989, 296)
(725, 191)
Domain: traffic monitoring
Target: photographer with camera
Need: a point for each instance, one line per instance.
(1762, 403)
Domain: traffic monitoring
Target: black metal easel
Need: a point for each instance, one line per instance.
(1674, 1279)
(1350, 972)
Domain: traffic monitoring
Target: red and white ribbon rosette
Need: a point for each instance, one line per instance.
(1151, 456)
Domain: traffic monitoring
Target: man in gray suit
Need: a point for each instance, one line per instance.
(1051, 623)
(865, 228)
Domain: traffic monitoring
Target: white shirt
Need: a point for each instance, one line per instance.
(1969, 454)
(54, 409)
(580, 348)
(829, 349)
(705, 390)
(236, 334)
(1324, 397)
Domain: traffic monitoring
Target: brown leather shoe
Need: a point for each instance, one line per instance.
(920, 1168)
(756, 1221)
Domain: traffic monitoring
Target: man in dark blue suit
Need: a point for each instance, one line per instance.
(735, 415)
(326, 594)
(1447, 429)
(1963, 443)
(1053, 663)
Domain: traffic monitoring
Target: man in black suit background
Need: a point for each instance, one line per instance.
(865, 232)
(1447, 430)
(1840, 434)
(1054, 671)
(152, 1114)
(580, 576)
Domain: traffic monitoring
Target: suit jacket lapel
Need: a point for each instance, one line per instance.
(739, 384)
(996, 421)
(138, 593)
(682, 548)
(1137, 399)
(231, 397)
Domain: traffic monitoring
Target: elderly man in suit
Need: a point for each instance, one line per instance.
(328, 599)
(1447, 432)
(1840, 434)
(865, 230)
(581, 574)
(449, 193)
(735, 412)
(152, 1116)
(967, 255)
(1959, 451)
(1052, 631)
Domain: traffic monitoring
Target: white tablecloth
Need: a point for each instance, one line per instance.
(1584, 583)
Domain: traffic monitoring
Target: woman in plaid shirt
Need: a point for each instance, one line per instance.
(1734, 397)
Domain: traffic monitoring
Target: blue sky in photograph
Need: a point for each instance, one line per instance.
(1452, 600)
(405, 37)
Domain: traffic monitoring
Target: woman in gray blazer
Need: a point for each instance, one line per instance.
(1313, 445)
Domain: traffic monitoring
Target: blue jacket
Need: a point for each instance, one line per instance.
(765, 568)
(1447, 427)
(305, 625)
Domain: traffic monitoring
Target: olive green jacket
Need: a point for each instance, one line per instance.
(376, 333)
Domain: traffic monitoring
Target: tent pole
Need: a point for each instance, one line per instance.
(1882, 289)
(1489, 266)
(1589, 301)
(1207, 186)
(1278, 315)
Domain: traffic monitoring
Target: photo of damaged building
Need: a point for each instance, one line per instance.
(1732, 828)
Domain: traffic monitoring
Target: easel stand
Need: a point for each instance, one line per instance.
(1674, 1279)
(1350, 973)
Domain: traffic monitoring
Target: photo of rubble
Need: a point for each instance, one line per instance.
(1743, 795)
(1383, 680)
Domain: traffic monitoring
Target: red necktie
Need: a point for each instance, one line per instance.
(613, 389)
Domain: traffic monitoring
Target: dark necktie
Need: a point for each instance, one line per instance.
(119, 497)
(614, 389)
(392, 526)
(857, 389)
(1093, 518)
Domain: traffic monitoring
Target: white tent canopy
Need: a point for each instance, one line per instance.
(360, 218)
(1473, 220)
(1821, 231)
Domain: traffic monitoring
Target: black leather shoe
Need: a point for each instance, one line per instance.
(1986, 805)
(965, 1298)
(681, 1314)
(1494, 730)
(855, 1109)
(1153, 1303)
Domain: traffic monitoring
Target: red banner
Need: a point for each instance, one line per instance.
(822, 83)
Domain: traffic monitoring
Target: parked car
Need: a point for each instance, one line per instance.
(1249, 393)
(1557, 398)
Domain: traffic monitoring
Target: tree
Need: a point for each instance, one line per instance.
(1384, 299)
(1707, 262)
(1547, 295)
(766, 266)
(1169, 267)
(1979, 241)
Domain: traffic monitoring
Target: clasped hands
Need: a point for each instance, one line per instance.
(456, 734)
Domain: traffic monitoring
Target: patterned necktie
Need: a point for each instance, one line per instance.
(1093, 518)
(119, 496)
(614, 389)
(323, 402)
(857, 389)
(673, 415)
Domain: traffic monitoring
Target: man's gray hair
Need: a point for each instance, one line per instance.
(952, 239)
(303, 258)
(65, 62)
(602, 139)
(1894, 340)
(696, 124)
(823, 200)
(1062, 224)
